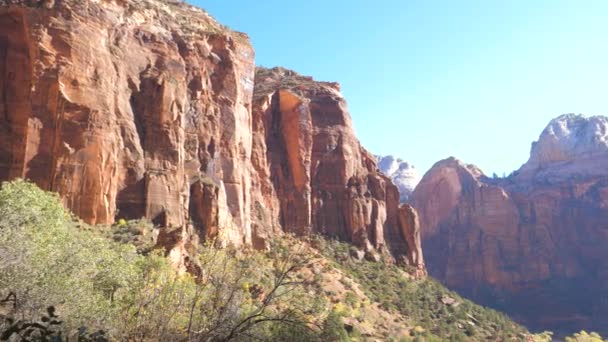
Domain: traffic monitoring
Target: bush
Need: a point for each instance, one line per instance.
(138, 233)
(47, 258)
(583, 336)
(333, 329)
(419, 300)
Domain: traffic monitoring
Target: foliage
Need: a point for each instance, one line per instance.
(584, 336)
(48, 328)
(48, 258)
(545, 336)
(333, 329)
(139, 233)
(420, 300)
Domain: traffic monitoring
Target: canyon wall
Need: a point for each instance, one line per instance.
(532, 244)
(147, 108)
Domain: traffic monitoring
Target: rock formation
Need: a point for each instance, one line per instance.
(324, 181)
(571, 146)
(146, 108)
(403, 174)
(532, 244)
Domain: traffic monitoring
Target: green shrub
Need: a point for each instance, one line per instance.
(351, 299)
(584, 336)
(138, 233)
(47, 258)
(333, 328)
(388, 285)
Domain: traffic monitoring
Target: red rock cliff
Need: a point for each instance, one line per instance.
(128, 109)
(144, 108)
(316, 169)
(532, 244)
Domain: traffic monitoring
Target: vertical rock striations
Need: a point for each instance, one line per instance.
(129, 109)
(324, 181)
(145, 108)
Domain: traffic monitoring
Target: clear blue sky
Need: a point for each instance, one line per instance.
(425, 80)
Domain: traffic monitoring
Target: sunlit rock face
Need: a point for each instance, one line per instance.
(532, 244)
(571, 146)
(403, 174)
(146, 108)
(129, 109)
(321, 177)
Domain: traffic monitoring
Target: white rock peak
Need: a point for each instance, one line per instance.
(571, 144)
(403, 174)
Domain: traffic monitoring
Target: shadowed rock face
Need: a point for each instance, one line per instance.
(143, 108)
(532, 244)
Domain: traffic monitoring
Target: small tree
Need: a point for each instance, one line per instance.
(274, 296)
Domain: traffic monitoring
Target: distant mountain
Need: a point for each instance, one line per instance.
(402, 173)
(533, 244)
(571, 145)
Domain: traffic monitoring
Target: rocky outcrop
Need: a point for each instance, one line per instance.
(143, 108)
(532, 244)
(410, 228)
(403, 174)
(570, 147)
(324, 181)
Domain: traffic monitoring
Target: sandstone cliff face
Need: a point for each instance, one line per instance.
(143, 108)
(129, 109)
(324, 181)
(532, 244)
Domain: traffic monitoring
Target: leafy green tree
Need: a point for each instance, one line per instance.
(46, 260)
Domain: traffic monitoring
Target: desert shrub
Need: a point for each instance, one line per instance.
(419, 299)
(48, 258)
(333, 328)
(293, 333)
(545, 336)
(351, 299)
(584, 336)
(138, 233)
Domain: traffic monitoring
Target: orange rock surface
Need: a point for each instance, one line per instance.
(322, 178)
(146, 108)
